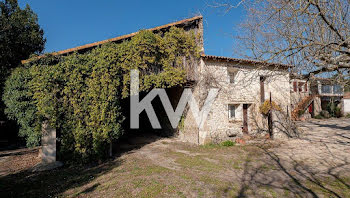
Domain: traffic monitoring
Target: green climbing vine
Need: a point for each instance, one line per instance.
(80, 94)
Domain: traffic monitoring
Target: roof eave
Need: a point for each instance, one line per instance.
(245, 61)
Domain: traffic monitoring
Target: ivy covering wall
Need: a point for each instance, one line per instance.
(80, 94)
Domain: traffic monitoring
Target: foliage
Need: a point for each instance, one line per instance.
(301, 112)
(325, 114)
(227, 143)
(338, 112)
(80, 94)
(20, 36)
(334, 110)
(21, 106)
(319, 116)
(268, 106)
(347, 86)
(347, 115)
(160, 60)
(181, 124)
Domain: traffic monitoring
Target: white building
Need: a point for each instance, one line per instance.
(346, 103)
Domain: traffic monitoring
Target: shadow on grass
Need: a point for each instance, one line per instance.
(54, 182)
(18, 152)
(51, 183)
(288, 177)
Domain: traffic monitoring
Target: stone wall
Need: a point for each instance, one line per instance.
(244, 90)
(346, 106)
(317, 106)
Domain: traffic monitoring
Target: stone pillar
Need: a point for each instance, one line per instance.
(48, 144)
(317, 105)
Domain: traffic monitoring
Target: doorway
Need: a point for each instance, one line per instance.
(245, 118)
(262, 89)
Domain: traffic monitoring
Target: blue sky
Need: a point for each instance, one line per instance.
(72, 23)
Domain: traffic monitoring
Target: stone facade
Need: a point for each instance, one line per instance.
(239, 85)
(346, 106)
(346, 103)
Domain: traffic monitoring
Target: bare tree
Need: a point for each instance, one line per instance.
(313, 35)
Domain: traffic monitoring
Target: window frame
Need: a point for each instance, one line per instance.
(301, 87)
(230, 110)
(232, 76)
(337, 89)
(324, 89)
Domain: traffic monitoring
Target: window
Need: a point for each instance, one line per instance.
(231, 111)
(326, 89)
(337, 89)
(232, 73)
(305, 87)
(301, 86)
(262, 89)
(295, 86)
(232, 76)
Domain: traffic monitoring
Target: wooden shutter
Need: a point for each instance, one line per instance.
(295, 87)
(305, 89)
(262, 89)
(300, 86)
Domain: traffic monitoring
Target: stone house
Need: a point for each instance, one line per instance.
(243, 86)
(310, 97)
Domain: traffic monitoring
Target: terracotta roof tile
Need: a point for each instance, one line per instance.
(245, 61)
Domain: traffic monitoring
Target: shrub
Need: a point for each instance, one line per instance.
(334, 110)
(227, 143)
(319, 116)
(20, 105)
(337, 112)
(347, 115)
(267, 106)
(301, 112)
(325, 114)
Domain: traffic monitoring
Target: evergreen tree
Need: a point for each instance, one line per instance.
(20, 36)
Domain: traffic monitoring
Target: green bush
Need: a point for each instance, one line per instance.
(80, 94)
(18, 98)
(227, 143)
(325, 114)
(301, 112)
(319, 116)
(347, 115)
(334, 110)
(338, 112)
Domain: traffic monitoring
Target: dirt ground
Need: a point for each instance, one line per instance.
(314, 165)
